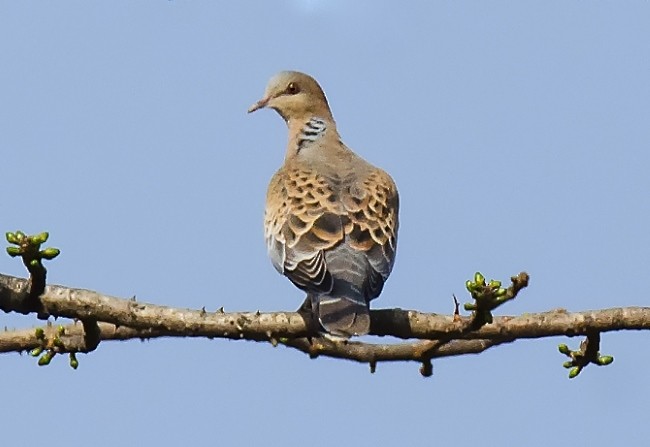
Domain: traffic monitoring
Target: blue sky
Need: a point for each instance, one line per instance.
(517, 133)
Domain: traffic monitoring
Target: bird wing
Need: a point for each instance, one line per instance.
(308, 214)
(302, 220)
(372, 207)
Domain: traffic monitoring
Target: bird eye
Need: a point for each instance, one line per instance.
(292, 88)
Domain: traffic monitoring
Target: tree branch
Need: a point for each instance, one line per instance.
(435, 335)
(73, 339)
(82, 304)
(431, 335)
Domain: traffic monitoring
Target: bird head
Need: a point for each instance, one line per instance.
(294, 95)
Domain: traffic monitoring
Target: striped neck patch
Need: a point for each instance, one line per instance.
(310, 132)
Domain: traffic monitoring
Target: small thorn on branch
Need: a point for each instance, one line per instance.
(426, 369)
(456, 308)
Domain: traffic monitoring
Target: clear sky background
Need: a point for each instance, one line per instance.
(518, 134)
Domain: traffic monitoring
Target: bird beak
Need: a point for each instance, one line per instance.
(258, 105)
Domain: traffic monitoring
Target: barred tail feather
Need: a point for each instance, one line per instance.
(343, 316)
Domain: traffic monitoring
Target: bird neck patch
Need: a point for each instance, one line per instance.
(310, 132)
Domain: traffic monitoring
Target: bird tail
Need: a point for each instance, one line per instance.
(341, 315)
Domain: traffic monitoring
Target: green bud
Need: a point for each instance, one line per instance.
(11, 237)
(468, 285)
(501, 292)
(20, 236)
(564, 349)
(469, 306)
(14, 251)
(60, 330)
(39, 333)
(605, 360)
(34, 263)
(46, 358)
(50, 253)
(36, 352)
(495, 284)
(74, 363)
(40, 238)
(574, 372)
(479, 279)
(568, 364)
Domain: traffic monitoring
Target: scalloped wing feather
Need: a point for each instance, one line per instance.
(308, 214)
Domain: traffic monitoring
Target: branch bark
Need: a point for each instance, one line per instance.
(430, 335)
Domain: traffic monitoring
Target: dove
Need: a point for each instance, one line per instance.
(331, 217)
